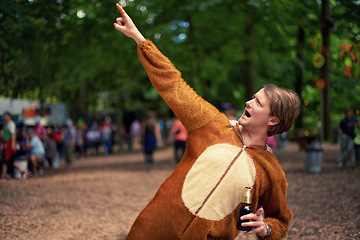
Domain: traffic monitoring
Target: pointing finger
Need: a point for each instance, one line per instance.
(121, 10)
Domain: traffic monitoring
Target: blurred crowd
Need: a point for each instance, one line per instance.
(27, 151)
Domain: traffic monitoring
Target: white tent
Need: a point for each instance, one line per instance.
(15, 106)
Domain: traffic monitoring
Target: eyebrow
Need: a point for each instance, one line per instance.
(258, 99)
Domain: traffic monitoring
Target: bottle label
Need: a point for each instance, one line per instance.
(247, 200)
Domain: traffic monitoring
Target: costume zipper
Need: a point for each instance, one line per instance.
(214, 188)
(221, 179)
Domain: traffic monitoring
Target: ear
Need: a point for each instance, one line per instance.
(273, 121)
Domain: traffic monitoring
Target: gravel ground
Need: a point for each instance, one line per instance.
(100, 197)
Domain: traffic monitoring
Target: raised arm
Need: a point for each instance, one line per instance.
(126, 25)
(192, 110)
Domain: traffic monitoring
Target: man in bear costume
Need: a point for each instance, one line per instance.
(202, 196)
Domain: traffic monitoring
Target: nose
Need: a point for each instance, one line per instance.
(248, 103)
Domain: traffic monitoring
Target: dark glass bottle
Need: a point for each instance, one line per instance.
(245, 208)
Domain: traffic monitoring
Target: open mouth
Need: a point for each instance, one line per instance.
(247, 114)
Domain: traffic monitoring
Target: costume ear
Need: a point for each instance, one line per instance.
(273, 121)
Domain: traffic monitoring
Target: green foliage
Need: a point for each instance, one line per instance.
(69, 51)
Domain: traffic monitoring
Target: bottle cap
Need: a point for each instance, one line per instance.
(247, 195)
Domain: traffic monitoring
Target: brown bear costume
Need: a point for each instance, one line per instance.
(202, 196)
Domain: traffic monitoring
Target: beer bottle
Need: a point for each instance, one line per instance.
(245, 208)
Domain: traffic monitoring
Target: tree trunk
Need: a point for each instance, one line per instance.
(120, 121)
(6, 82)
(250, 57)
(83, 97)
(325, 71)
(195, 59)
(41, 96)
(299, 72)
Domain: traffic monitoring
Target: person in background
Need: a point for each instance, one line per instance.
(37, 152)
(59, 137)
(69, 141)
(135, 129)
(79, 142)
(151, 138)
(271, 141)
(39, 129)
(106, 135)
(9, 147)
(178, 136)
(23, 153)
(347, 134)
(51, 153)
(93, 137)
(162, 129)
(231, 113)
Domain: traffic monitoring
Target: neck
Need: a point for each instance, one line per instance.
(253, 137)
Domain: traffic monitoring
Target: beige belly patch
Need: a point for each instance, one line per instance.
(205, 175)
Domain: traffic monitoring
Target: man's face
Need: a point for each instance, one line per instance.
(348, 114)
(257, 111)
(6, 117)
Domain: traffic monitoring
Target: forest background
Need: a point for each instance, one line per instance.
(68, 51)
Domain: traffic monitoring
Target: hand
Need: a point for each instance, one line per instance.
(257, 222)
(13, 146)
(160, 143)
(126, 25)
(13, 142)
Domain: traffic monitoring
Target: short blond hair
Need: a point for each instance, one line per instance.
(285, 105)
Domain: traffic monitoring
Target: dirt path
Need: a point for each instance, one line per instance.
(100, 197)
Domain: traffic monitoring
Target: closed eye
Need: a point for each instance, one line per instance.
(257, 100)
